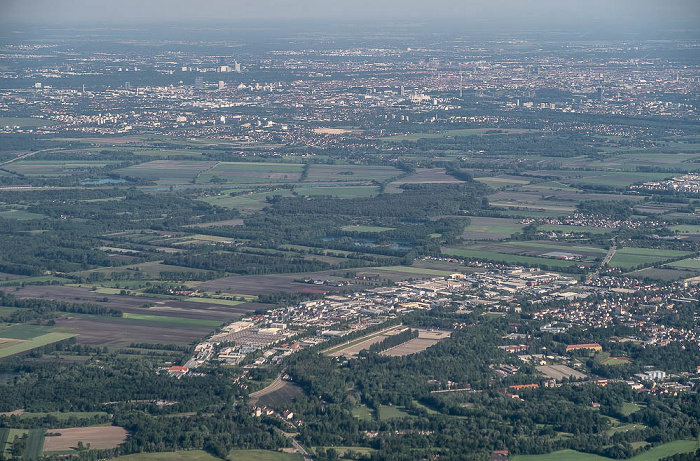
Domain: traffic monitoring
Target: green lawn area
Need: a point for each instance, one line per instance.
(363, 412)
(33, 343)
(629, 407)
(188, 455)
(263, 455)
(386, 412)
(360, 228)
(625, 428)
(656, 453)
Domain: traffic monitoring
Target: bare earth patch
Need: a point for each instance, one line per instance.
(99, 438)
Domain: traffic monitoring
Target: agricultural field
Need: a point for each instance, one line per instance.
(663, 273)
(452, 133)
(188, 455)
(38, 341)
(251, 173)
(630, 257)
(686, 229)
(137, 304)
(24, 122)
(527, 253)
(404, 272)
(654, 454)
(691, 263)
(167, 172)
(484, 228)
(350, 173)
(20, 215)
(55, 167)
(245, 203)
(35, 440)
(496, 182)
(263, 455)
(422, 176)
(349, 191)
(99, 437)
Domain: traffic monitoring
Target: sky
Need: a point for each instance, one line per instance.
(639, 14)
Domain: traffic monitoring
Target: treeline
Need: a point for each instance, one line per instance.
(41, 309)
(393, 340)
(614, 209)
(546, 145)
(247, 264)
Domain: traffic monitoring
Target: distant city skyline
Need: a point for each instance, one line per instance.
(640, 14)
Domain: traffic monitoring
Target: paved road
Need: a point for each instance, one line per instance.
(605, 261)
(29, 154)
(273, 386)
(610, 254)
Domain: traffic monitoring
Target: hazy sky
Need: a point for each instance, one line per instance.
(539, 13)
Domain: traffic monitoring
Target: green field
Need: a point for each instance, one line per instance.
(629, 257)
(23, 331)
(339, 191)
(507, 258)
(386, 412)
(189, 455)
(24, 122)
(20, 215)
(263, 455)
(175, 321)
(167, 171)
(414, 270)
(247, 202)
(656, 453)
(691, 263)
(35, 441)
(33, 343)
(363, 412)
(342, 450)
(350, 173)
(447, 133)
(686, 229)
(251, 173)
